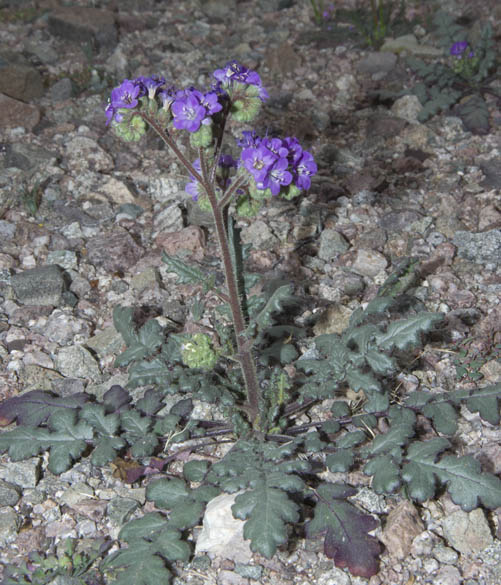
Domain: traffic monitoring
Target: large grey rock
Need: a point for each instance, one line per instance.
(377, 62)
(24, 474)
(42, 286)
(9, 525)
(115, 250)
(27, 156)
(10, 494)
(81, 24)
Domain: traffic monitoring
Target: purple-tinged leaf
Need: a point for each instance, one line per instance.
(35, 407)
(346, 529)
(116, 398)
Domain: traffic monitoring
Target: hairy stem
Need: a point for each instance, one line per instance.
(244, 348)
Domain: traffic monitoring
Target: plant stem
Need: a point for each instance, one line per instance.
(244, 346)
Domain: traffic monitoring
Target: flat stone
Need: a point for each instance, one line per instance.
(481, 248)
(409, 44)
(18, 78)
(402, 526)
(77, 362)
(332, 244)
(114, 251)
(467, 532)
(369, 263)
(42, 286)
(81, 24)
(14, 113)
(24, 474)
(408, 108)
(9, 525)
(377, 62)
(10, 494)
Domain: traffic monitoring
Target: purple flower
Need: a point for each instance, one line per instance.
(249, 138)
(278, 176)
(306, 167)
(209, 101)
(151, 84)
(234, 72)
(227, 161)
(258, 161)
(188, 112)
(167, 96)
(125, 95)
(458, 48)
(192, 188)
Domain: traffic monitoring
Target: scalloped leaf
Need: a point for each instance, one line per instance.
(385, 474)
(342, 460)
(463, 476)
(137, 432)
(346, 529)
(33, 408)
(139, 566)
(485, 402)
(187, 273)
(267, 510)
(155, 371)
(443, 415)
(144, 344)
(405, 332)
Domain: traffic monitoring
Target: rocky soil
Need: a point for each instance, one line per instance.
(84, 219)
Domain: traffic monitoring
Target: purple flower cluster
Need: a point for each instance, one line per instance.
(275, 163)
(235, 73)
(190, 107)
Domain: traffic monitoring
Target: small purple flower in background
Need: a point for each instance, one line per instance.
(227, 161)
(458, 48)
(249, 138)
(167, 96)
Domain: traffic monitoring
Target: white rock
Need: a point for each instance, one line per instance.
(222, 534)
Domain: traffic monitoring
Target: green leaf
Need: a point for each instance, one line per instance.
(144, 344)
(361, 381)
(485, 402)
(420, 472)
(406, 332)
(145, 527)
(106, 449)
(346, 530)
(168, 493)
(385, 474)
(266, 511)
(123, 320)
(155, 371)
(342, 460)
(138, 433)
(463, 476)
(195, 470)
(140, 566)
(380, 363)
(186, 515)
(443, 415)
(104, 424)
(69, 440)
(151, 402)
(186, 273)
(169, 544)
(24, 442)
(351, 439)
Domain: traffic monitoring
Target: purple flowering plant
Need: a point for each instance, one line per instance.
(266, 167)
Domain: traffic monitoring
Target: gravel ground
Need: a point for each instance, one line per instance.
(84, 219)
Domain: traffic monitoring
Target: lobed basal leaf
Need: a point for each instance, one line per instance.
(463, 477)
(346, 529)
